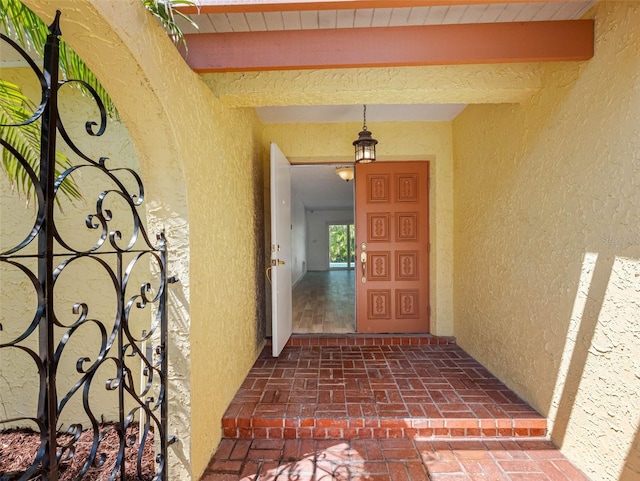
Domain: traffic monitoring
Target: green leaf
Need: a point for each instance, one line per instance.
(166, 13)
(27, 29)
(16, 108)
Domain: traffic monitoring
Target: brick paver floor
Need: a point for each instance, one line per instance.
(381, 408)
(376, 391)
(390, 459)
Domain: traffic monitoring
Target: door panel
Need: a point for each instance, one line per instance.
(392, 247)
(281, 302)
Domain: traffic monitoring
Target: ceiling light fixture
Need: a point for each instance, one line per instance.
(345, 173)
(365, 145)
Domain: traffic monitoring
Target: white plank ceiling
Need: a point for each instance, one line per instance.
(387, 17)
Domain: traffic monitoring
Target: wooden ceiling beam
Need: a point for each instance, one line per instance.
(204, 7)
(392, 46)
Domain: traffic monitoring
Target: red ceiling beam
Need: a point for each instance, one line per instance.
(279, 6)
(392, 46)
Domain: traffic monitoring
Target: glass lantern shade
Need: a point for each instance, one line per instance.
(365, 147)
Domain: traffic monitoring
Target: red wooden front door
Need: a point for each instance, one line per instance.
(392, 247)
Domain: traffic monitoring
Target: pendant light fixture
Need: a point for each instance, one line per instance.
(345, 173)
(365, 145)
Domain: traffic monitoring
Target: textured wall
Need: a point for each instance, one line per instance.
(403, 85)
(227, 274)
(187, 141)
(547, 246)
(332, 142)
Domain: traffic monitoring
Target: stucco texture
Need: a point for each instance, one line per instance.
(186, 141)
(402, 85)
(431, 141)
(547, 246)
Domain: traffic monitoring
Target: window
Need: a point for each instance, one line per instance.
(341, 246)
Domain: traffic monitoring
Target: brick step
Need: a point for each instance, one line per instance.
(376, 387)
(366, 340)
(382, 428)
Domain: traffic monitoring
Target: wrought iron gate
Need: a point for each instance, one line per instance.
(122, 361)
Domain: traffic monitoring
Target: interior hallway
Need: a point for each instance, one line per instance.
(324, 303)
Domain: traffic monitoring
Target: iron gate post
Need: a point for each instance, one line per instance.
(47, 402)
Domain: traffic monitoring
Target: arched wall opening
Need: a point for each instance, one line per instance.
(201, 164)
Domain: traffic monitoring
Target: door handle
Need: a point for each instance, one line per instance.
(363, 262)
(274, 263)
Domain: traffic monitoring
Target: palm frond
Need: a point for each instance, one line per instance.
(165, 11)
(16, 108)
(24, 26)
(28, 30)
(73, 67)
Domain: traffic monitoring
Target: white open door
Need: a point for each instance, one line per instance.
(281, 304)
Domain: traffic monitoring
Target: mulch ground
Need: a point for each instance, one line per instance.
(18, 449)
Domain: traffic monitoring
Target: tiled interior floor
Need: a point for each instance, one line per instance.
(373, 408)
(324, 302)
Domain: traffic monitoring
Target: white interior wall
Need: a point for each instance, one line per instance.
(318, 236)
(298, 239)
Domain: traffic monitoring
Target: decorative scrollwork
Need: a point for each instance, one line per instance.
(84, 348)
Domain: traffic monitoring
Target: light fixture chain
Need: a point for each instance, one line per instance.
(364, 118)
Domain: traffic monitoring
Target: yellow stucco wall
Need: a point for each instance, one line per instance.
(186, 141)
(227, 276)
(403, 85)
(332, 142)
(547, 246)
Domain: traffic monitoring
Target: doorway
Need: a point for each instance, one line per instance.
(323, 239)
(387, 267)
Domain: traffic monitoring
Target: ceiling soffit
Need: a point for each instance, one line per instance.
(265, 53)
(451, 84)
(262, 35)
(447, 70)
